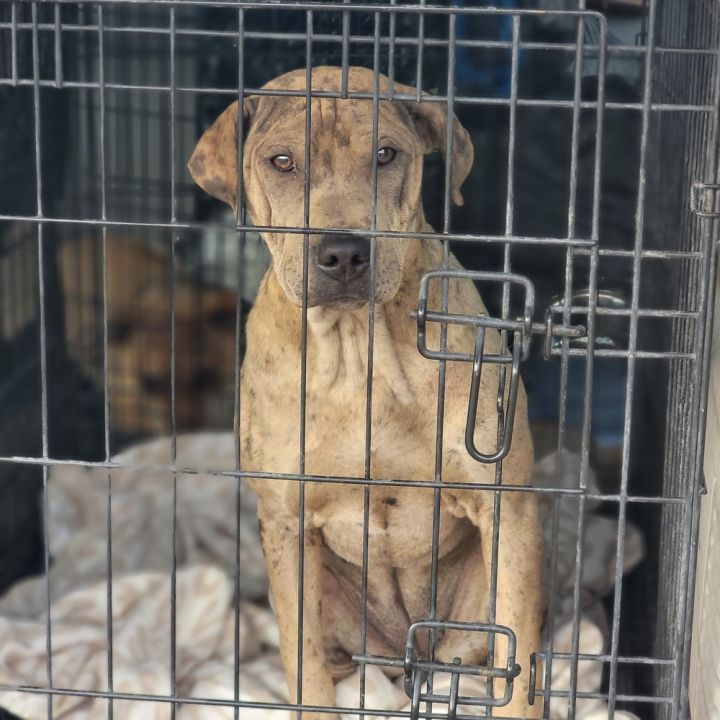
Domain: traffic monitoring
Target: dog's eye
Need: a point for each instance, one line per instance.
(283, 163)
(386, 155)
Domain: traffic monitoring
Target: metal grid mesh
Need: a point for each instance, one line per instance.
(677, 129)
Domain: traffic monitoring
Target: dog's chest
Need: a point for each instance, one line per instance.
(347, 423)
(399, 447)
(399, 527)
(385, 430)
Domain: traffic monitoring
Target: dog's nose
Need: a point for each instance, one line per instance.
(344, 257)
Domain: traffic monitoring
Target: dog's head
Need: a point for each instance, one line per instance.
(140, 355)
(340, 178)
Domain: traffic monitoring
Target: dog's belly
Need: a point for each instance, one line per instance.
(397, 594)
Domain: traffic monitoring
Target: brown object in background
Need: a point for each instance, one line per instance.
(139, 292)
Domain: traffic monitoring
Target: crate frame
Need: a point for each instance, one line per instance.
(691, 347)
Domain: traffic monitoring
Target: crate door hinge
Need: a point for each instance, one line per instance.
(705, 199)
(516, 336)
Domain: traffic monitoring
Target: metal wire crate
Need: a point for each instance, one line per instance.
(591, 234)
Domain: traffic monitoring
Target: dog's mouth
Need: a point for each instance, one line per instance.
(342, 302)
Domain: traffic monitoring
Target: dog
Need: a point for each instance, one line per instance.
(139, 347)
(404, 391)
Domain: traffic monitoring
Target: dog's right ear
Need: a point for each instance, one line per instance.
(213, 164)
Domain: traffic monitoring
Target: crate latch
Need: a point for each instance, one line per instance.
(705, 199)
(419, 672)
(516, 335)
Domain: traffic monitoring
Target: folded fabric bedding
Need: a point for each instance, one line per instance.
(205, 657)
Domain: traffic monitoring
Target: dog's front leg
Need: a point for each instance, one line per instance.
(281, 544)
(518, 597)
(519, 601)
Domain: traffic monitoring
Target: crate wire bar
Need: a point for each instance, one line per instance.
(665, 58)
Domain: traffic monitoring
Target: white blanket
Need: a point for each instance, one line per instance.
(205, 615)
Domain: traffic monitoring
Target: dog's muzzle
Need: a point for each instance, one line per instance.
(343, 269)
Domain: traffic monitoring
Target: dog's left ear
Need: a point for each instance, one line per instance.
(431, 120)
(213, 164)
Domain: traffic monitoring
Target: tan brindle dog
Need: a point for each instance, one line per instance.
(404, 391)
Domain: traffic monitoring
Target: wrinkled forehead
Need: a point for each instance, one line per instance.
(349, 120)
(349, 123)
(329, 79)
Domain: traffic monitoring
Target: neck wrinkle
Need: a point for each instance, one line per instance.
(338, 340)
(339, 352)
